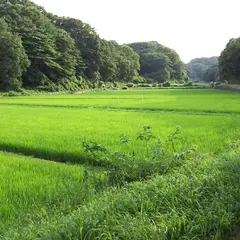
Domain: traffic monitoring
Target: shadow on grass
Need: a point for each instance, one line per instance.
(61, 157)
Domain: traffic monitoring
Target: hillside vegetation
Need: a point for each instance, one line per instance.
(229, 62)
(159, 63)
(203, 69)
(48, 52)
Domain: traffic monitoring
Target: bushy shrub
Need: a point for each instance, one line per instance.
(138, 79)
(130, 85)
(101, 84)
(11, 94)
(124, 88)
(20, 92)
(115, 84)
(154, 85)
(144, 85)
(181, 82)
(189, 84)
(160, 85)
(166, 84)
(131, 165)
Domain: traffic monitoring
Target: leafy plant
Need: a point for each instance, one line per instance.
(126, 166)
(166, 84)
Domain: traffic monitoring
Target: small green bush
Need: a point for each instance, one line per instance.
(154, 85)
(124, 88)
(181, 82)
(101, 84)
(130, 85)
(189, 84)
(166, 84)
(11, 94)
(144, 85)
(138, 79)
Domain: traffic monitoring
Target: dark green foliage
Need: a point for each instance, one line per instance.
(87, 42)
(138, 79)
(229, 62)
(119, 63)
(189, 84)
(67, 54)
(159, 63)
(144, 85)
(166, 84)
(130, 85)
(62, 51)
(13, 59)
(203, 69)
(52, 51)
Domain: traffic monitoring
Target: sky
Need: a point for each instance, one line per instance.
(194, 28)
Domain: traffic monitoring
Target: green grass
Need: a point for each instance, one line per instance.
(195, 198)
(56, 134)
(32, 190)
(198, 201)
(173, 99)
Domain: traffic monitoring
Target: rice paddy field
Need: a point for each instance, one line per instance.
(156, 188)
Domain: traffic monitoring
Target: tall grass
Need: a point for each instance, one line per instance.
(32, 190)
(200, 200)
(177, 198)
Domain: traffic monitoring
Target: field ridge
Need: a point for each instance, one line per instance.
(158, 110)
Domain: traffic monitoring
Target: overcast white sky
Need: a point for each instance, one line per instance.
(194, 28)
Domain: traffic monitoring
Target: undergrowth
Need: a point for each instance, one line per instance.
(199, 200)
(156, 156)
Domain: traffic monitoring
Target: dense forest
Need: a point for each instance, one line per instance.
(203, 69)
(159, 63)
(229, 62)
(225, 68)
(42, 51)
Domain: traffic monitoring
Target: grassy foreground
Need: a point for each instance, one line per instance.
(150, 193)
(33, 190)
(200, 200)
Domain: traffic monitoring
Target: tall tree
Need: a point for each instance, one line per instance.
(87, 41)
(13, 59)
(229, 62)
(52, 51)
(158, 62)
(203, 69)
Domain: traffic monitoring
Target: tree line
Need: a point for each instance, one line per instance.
(39, 50)
(225, 68)
(203, 69)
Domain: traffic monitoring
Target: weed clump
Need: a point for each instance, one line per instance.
(155, 157)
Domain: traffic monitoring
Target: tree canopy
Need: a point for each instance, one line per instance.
(55, 53)
(13, 58)
(159, 63)
(229, 62)
(203, 69)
